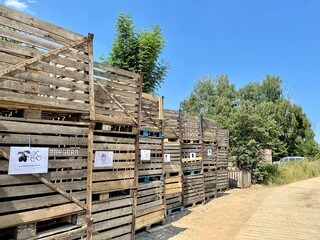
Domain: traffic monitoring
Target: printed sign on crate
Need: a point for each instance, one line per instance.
(193, 156)
(28, 160)
(167, 158)
(145, 155)
(103, 159)
(209, 152)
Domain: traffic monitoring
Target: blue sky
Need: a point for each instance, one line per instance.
(245, 39)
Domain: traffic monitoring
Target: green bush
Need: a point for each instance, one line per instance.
(294, 171)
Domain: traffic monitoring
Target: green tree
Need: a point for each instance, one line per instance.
(258, 117)
(139, 51)
(214, 98)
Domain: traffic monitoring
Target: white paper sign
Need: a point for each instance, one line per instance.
(209, 152)
(193, 156)
(167, 158)
(25, 160)
(103, 159)
(145, 155)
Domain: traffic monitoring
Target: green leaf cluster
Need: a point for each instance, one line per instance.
(258, 116)
(138, 51)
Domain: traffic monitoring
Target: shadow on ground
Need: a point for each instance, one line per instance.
(163, 232)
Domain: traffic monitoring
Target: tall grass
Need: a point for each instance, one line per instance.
(294, 171)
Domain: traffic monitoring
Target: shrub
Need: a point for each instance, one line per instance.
(295, 171)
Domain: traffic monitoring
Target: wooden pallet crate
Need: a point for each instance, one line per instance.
(119, 178)
(209, 130)
(223, 138)
(193, 190)
(38, 205)
(210, 183)
(171, 124)
(209, 153)
(174, 150)
(190, 128)
(113, 218)
(222, 161)
(150, 207)
(151, 119)
(117, 98)
(173, 188)
(43, 65)
(191, 156)
(155, 164)
(222, 179)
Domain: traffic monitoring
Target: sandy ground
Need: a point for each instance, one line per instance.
(286, 212)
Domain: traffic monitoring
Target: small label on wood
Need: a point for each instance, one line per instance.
(145, 155)
(56, 152)
(167, 158)
(26, 160)
(103, 159)
(209, 152)
(193, 156)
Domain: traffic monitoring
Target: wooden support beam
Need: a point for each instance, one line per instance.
(91, 77)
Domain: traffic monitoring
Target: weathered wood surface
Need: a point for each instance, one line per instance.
(190, 128)
(116, 95)
(209, 130)
(223, 138)
(151, 113)
(174, 149)
(121, 175)
(193, 189)
(113, 218)
(171, 124)
(42, 64)
(26, 198)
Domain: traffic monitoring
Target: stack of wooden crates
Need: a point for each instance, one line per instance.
(222, 160)
(210, 148)
(191, 158)
(116, 131)
(151, 201)
(172, 161)
(45, 86)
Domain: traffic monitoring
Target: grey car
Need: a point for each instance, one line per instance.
(288, 159)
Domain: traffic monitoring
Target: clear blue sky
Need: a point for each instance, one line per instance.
(245, 39)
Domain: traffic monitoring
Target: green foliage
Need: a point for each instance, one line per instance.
(139, 51)
(258, 117)
(295, 171)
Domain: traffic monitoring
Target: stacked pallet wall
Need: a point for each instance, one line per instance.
(222, 161)
(150, 199)
(173, 171)
(192, 164)
(209, 146)
(117, 104)
(45, 85)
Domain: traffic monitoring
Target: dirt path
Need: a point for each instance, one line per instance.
(258, 213)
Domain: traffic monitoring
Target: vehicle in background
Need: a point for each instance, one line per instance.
(288, 159)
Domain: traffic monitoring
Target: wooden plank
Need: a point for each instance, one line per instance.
(42, 101)
(37, 202)
(149, 219)
(37, 215)
(112, 185)
(27, 127)
(116, 70)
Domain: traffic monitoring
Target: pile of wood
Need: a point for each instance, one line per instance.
(115, 161)
(172, 161)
